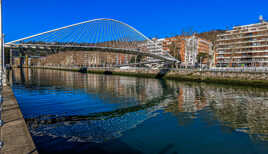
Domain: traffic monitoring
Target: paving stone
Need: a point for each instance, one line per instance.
(14, 133)
(22, 150)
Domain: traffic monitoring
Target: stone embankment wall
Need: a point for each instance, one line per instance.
(238, 78)
(225, 75)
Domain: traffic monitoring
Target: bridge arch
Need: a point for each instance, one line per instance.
(105, 34)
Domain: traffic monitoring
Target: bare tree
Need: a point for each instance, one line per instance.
(174, 48)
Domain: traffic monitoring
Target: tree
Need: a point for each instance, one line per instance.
(174, 50)
(175, 47)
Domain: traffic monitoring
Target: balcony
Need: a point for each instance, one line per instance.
(245, 31)
(242, 42)
(244, 47)
(243, 37)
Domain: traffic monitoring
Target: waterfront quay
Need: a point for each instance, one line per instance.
(14, 132)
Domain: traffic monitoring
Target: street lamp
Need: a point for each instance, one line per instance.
(1, 62)
(1, 40)
(2, 67)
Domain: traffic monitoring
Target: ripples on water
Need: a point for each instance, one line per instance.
(70, 112)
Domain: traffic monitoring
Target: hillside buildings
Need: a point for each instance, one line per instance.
(243, 46)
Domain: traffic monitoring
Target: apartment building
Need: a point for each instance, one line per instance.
(186, 48)
(159, 43)
(243, 46)
(154, 46)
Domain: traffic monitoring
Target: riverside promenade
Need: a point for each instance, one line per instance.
(14, 132)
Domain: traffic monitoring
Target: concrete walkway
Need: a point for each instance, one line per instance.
(14, 132)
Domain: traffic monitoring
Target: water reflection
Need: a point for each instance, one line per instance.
(136, 100)
(140, 89)
(242, 109)
(98, 108)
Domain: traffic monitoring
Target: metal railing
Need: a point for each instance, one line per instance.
(239, 69)
(224, 69)
(261, 69)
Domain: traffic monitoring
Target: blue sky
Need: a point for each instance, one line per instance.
(154, 18)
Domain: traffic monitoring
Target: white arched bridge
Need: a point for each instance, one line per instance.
(102, 35)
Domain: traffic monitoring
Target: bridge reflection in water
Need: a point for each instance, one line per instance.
(124, 114)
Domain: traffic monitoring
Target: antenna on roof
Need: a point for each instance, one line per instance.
(261, 18)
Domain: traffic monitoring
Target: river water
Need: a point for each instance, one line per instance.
(71, 112)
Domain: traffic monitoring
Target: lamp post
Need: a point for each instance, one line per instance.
(1, 65)
(2, 53)
(1, 41)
